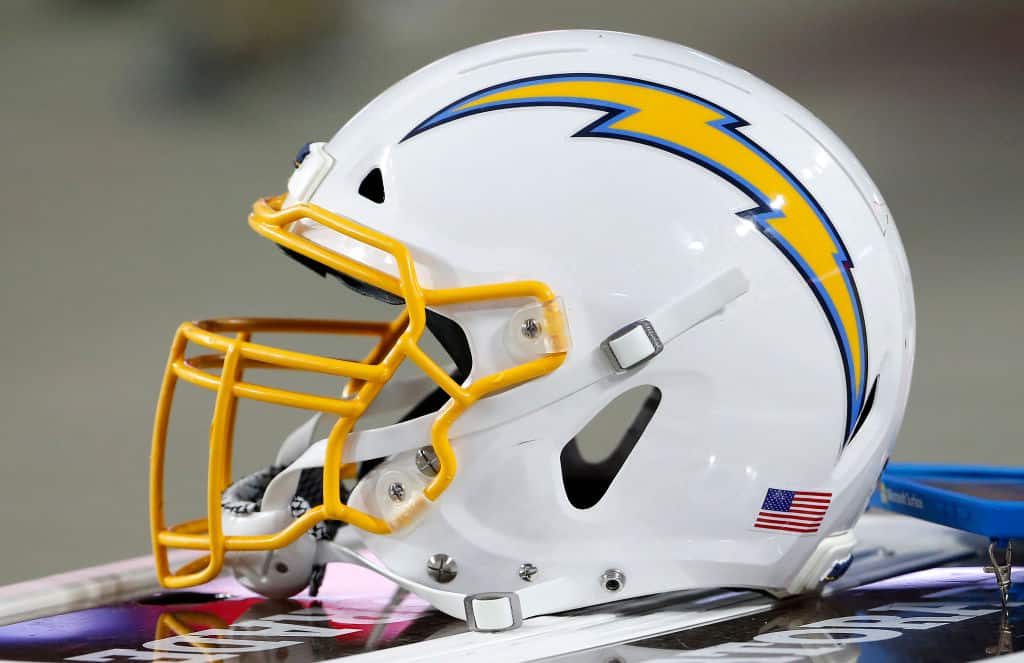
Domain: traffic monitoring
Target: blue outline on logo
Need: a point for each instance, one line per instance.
(760, 214)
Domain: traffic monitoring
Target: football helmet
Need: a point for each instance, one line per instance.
(573, 215)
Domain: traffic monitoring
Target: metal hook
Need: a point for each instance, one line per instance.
(1001, 571)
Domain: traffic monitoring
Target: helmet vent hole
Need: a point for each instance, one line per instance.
(592, 459)
(372, 186)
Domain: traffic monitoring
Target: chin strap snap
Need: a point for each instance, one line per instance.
(632, 345)
(491, 612)
(488, 612)
(643, 339)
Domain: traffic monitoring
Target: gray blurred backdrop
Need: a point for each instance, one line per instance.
(134, 137)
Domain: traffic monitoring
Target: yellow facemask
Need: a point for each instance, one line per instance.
(234, 352)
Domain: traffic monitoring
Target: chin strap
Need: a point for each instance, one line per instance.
(643, 339)
(487, 612)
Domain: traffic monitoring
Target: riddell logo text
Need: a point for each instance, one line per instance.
(902, 497)
(245, 637)
(828, 636)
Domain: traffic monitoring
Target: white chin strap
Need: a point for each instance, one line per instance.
(486, 612)
(642, 339)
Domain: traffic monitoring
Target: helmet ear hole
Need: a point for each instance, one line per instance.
(592, 459)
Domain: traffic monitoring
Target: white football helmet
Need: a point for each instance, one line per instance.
(574, 215)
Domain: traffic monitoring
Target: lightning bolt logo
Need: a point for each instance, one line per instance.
(695, 129)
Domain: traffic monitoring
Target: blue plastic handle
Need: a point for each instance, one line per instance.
(910, 489)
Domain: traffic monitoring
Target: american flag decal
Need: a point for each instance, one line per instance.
(798, 511)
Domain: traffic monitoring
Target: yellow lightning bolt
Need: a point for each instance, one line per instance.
(706, 134)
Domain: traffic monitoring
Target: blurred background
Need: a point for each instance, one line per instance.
(135, 136)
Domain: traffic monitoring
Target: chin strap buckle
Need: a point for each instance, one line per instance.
(491, 612)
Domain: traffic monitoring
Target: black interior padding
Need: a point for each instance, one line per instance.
(308, 262)
(246, 494)
(586, 482)
(451, 337)
(356, 285)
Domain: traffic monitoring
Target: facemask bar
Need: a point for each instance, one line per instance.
(397, 340)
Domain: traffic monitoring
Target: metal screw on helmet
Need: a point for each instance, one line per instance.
(442, 567)
(613, 580)
(427, 462)
(396, 492)
(530, 328)
(527, 571)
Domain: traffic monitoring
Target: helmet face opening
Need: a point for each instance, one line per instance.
(234, 352)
